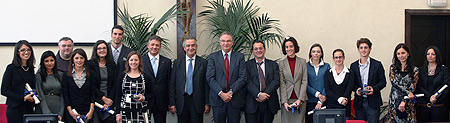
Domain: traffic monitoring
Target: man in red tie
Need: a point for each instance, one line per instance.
(226, 77)
(263, 80)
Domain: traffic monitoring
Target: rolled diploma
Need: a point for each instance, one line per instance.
(311, 112)
(417, 95)
(101, 106)
(440, 90)
(78, 117)
(146, 117)
(36, 100)
(292, 105)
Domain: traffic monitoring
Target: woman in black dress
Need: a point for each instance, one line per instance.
(49, 87)
(19, 72)
(79, 88)
(134, 82)
(433, 75)
(103, 66)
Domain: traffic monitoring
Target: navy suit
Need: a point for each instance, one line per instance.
(120, 66)
(189, 105)
(260, 112)
(160, 86)
(215, 76)
(377, 80)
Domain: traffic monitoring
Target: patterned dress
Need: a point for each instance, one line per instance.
(133, 111)
(402, 83)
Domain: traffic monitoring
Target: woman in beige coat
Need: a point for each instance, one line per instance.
(293, 83)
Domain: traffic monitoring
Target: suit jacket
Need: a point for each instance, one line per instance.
(161, 81)
(111, 68)
(334, 91)
(79, 98)
(215, 76)
(178, 84)
(122, 58)
(13, 84)
(272, 77)
(299, 83)
(424, 86)
(376, 79)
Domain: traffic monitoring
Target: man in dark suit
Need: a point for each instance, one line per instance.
(118, 50)
(158, 68)
(263, 80)
(189, 90)
(226, 77)
(369, 76)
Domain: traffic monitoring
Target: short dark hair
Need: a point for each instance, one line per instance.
(117, 27)
(438, 55)
(17, 61)
(94, 56)
(291, 39)
(85, 65)
(155, 37)
(363, 40)
(339, 50)
(316, 45)
(141, 65)
(188, 38)
(258, 41)
(226, 33)
(66, 39)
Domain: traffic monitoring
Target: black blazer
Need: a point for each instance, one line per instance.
(122, 58)
(112, 75)
(334, 91)
(272, 76)
(441, 78)
(178, 81)
(13, 84)
(161, 81)
(215, 76)
(377, 80)
(149, 94)
(79, 98)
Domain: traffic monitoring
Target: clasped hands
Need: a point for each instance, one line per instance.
(226, 97)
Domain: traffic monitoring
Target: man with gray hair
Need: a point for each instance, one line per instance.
(65, 46)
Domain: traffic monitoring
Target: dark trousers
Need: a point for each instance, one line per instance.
(15, 115)
(262, 114)
(433, 114)
(371, 115)
(226, 112)
(310, 107)
(189, 114)
(158, 115)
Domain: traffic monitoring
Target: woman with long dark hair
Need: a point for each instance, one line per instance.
(79, 88)
(104, 68)
(49, 87)
(404, 76)
(433, 76)
(17, 74)
(134, 92)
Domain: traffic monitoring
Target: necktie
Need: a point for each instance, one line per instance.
(262, 79)
(154, 66)
(227, 68)
(116, 55)
(189, 86)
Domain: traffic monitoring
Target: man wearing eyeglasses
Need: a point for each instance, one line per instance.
(263, 80)
(369, 81)
(65, 46)
(226, 77)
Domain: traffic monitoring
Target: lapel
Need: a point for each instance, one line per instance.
(232, 61)
(221, 61)
(358, 74)
(182, 66)
(288, 69)
(371, 71)
(146, 59)
(196, 66)
(297, 69)
(254, 69)
(161, 63)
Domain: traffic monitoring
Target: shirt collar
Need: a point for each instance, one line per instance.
(193, 58)
(333, 69)
(151, 57)
(264, 60)
(229, 53)
(73, 70)
(320, 63)
(368, 61)
(119, 48)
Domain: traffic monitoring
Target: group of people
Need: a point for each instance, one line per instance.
(136, 86)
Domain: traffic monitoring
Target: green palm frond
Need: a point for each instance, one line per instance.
(241, 20)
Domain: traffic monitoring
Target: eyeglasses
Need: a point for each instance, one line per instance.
(23, 50)
(338, 57)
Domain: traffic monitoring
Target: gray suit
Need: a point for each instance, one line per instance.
(215, 76)
(298, 83)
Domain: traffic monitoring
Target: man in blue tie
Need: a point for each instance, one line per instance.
(226, 77)
(189, 90)
(158, 68)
